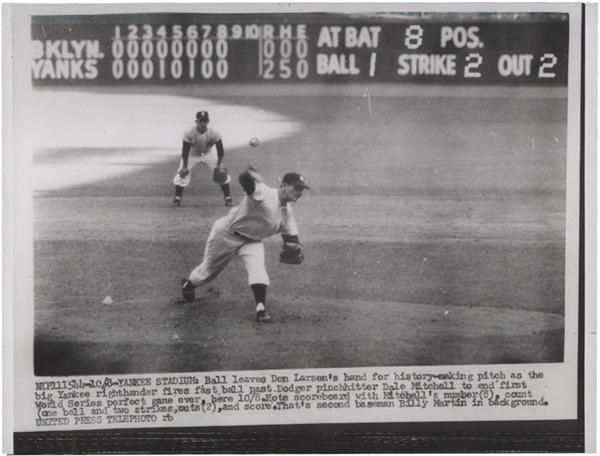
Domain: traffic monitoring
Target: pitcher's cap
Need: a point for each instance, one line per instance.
(295, 179)
(202, 115)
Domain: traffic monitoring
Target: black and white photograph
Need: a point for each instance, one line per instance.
(303, 214)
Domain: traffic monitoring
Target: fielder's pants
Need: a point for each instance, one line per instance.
(210, 159)
(221, 247)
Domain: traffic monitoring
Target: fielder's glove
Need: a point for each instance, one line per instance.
(291, 253)
(220, 175)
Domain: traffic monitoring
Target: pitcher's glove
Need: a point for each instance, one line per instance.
(183, 172)
(220, 175)
(291, 253)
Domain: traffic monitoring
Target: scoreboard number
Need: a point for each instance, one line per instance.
(473, 60)
(548, 61)
(414, 37)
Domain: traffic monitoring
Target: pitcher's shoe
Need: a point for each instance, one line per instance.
(187, 290)
(176, 202)
(229, 201)
(261, 314)
(263, 317)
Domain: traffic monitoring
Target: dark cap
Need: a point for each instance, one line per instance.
(294, 179)
(202, 116)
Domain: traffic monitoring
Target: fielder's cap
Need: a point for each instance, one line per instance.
(295, 179)
(202, 116)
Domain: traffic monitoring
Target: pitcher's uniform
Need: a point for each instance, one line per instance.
(264, 211)
(241, 233)
(202, 151)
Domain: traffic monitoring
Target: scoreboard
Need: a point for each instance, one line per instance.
(188, 48)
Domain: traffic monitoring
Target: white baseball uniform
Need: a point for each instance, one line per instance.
(241, 233)
(202, 151)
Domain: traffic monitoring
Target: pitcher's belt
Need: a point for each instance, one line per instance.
(241, 237)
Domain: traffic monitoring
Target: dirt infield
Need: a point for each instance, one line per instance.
(434, 234)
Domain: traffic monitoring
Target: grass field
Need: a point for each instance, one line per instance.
(434, 234)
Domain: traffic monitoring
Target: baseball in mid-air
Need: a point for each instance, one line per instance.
(254, 142)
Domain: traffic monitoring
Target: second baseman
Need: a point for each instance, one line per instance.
(202, 145)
